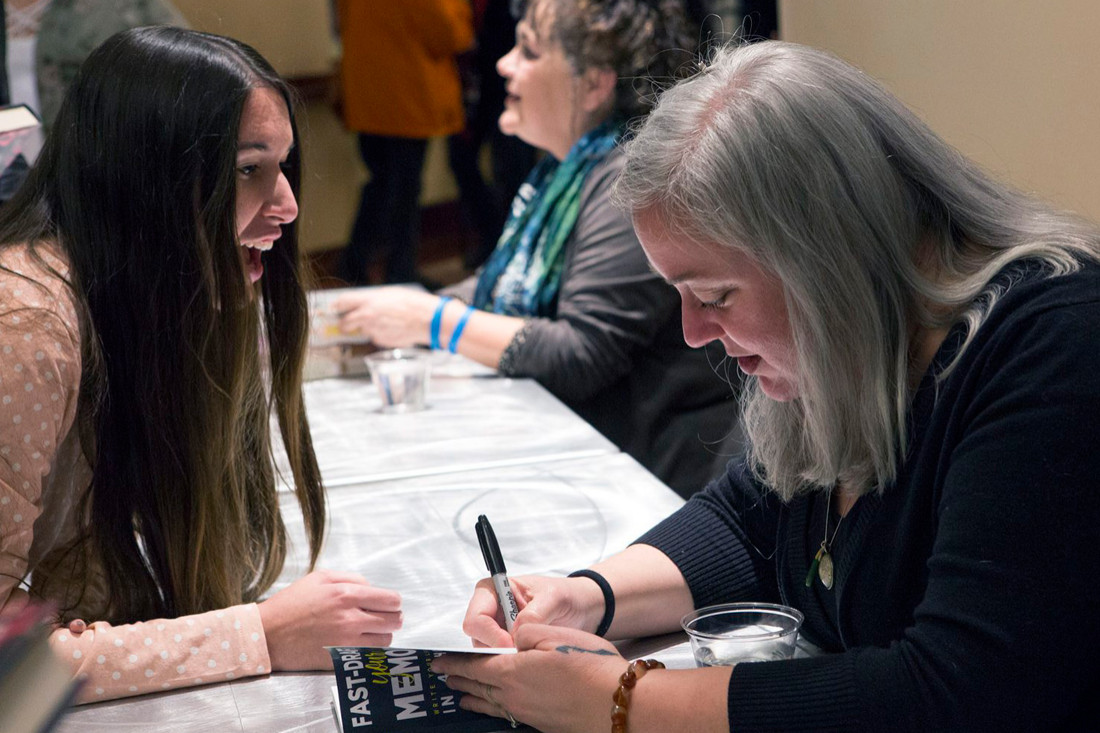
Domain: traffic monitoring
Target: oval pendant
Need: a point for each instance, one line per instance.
(825, 571)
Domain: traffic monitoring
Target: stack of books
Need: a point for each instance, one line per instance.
(35, 685)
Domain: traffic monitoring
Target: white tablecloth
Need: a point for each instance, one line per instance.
(405, 495)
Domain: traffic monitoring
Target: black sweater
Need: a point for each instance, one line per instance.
(967, 593)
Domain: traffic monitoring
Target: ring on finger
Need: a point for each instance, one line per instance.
(488, 689)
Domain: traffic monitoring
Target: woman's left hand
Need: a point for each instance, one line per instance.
(561, 679)
(392, 317)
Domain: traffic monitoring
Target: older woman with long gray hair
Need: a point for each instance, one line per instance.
(922, 347)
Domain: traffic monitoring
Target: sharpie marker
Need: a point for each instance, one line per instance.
(494, 561)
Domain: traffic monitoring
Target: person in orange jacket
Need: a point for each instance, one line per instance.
(400, 87)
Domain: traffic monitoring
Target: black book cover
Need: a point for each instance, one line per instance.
(388, 689)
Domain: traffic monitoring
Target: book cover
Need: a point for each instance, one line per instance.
(20, 140)
(390, 689)
(20, 632)
(36, 686)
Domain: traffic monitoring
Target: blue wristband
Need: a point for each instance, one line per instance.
(457, 333)
(437, 318)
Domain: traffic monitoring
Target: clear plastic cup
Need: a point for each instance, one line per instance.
(731, 633)
(401, 376)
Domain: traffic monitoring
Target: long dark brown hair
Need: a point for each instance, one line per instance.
(137, 186)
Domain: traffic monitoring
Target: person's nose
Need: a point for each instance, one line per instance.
(506, 63)
(699, 325)
(282, 205)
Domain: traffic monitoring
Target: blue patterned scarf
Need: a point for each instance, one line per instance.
(523, 274)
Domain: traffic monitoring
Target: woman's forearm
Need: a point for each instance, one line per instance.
(651, 595)
(484, 336)
(681, 699)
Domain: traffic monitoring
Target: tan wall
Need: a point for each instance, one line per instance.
(1014, 84)
(295, 36)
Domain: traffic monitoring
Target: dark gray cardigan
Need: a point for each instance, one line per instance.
(614, 350)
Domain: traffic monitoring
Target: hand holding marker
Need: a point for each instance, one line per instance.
(494, 561)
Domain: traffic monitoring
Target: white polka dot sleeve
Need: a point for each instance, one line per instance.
(39, 381)
(163, 654)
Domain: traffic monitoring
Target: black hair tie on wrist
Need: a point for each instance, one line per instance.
(608, 597)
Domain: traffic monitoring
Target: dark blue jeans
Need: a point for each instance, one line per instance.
(388, 222)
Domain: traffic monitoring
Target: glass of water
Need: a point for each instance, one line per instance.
(401, 376)
(724, 635)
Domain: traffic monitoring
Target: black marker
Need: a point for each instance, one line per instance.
(494, 561)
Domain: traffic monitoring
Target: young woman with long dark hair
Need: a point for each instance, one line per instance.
(152, 320)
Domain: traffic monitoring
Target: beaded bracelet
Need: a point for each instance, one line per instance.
(634, 672)
(437, 319)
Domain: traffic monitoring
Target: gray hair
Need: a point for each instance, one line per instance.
(875, 226)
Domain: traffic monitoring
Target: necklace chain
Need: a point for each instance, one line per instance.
(827, 541)
(822, 564)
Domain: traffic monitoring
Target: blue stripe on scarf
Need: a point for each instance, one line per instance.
(523, 274)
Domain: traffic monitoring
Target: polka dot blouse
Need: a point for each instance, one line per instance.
(40, 466)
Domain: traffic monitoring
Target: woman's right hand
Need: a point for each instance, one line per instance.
(326, 608)
(392, 317)
(571, 602)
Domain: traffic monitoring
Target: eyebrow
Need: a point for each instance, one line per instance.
(526, 34)
(686, 277)
(651, 268)
(261, 146)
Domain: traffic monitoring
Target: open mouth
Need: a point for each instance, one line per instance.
(253, 262)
